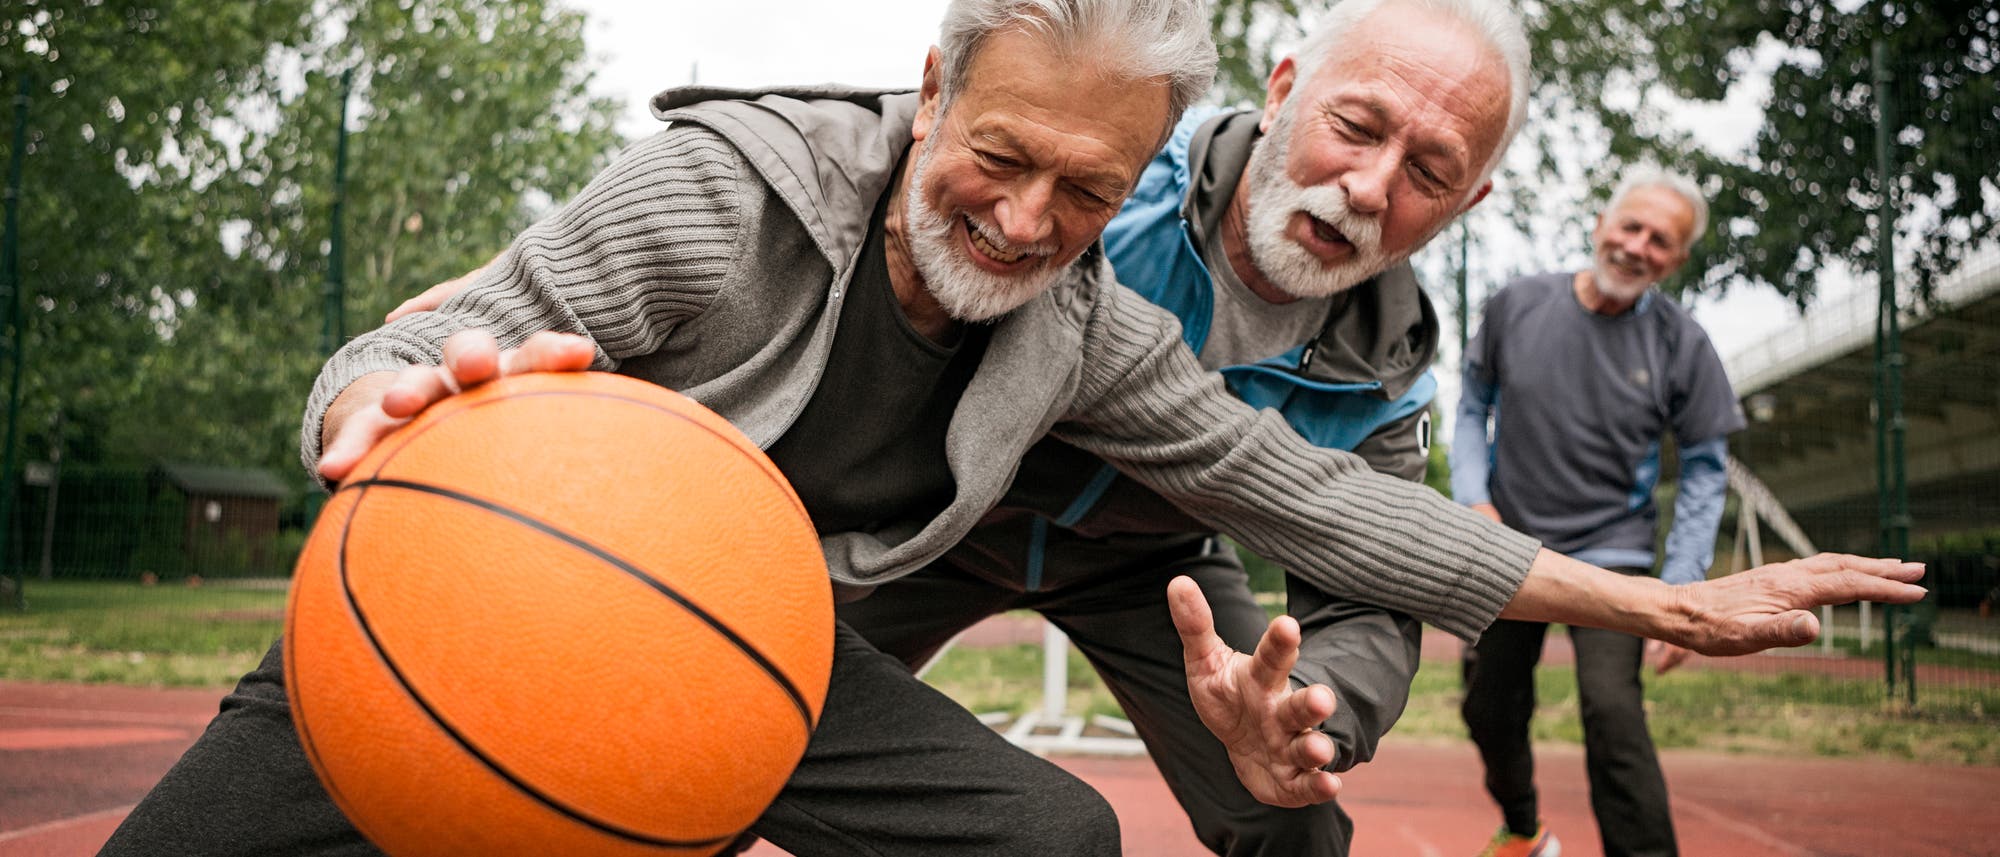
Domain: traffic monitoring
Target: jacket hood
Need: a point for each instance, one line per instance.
(1383, 329)
(857, 138)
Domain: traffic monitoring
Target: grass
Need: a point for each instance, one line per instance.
(1717, 709)
(1712, 709)
(123, 633)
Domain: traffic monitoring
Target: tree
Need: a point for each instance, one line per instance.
(180, 177)
(1615, 81)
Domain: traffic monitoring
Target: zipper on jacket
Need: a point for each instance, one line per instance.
(1038, 545)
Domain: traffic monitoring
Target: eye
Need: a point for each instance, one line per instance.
(1426, 178)
(1090, 198)
(997, 161)
(1349, 128)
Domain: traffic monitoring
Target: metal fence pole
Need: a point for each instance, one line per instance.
(334, 328)
(1892, 484)
(333, 324)
(10, 326)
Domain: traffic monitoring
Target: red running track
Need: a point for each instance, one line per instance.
(74, 759)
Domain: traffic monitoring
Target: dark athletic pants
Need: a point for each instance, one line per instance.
(894, 768)
(1121, 624)
(1628, 794)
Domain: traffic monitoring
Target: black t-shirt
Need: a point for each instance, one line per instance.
(868, 451)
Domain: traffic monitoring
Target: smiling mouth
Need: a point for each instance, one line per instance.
(986, 248)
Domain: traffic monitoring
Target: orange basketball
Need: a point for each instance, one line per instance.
(560, 614)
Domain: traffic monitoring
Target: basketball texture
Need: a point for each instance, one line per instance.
(564, 613)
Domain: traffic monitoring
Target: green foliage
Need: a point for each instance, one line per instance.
(1437, 468)
(1614, 79)
(1806, 192)
(179, 179)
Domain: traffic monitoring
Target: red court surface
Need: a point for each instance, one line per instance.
(74, 759)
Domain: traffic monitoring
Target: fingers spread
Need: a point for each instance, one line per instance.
(1308, 750)
(1314, 787)
(1306, 709)
(1271, 668)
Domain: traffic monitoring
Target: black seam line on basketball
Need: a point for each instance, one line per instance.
(340, 568)
(797, 505)
(764, 663)
(465, 743)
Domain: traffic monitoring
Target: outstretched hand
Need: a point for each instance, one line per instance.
(1248, 702)
(1771, 605)
(368, 411)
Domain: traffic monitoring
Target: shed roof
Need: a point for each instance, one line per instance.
(225, 481)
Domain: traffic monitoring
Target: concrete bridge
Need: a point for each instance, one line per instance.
(1808, 391)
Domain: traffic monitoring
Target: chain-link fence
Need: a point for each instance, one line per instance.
(165, 523)
(1875, 421)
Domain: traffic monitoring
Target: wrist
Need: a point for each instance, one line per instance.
(364, 391)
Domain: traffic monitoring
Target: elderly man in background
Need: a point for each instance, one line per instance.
(1583, 374)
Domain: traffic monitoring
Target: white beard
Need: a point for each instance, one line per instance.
(1274, 198)
(961, 287)
(1614, 283)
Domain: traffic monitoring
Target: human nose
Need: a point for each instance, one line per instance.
(1367, 181)
(1634, 245)
(1023, 214)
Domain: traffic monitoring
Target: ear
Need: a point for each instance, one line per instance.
(1277, 90)
(1477, 196)
(928, 96)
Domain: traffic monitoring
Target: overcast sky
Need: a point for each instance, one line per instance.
(643, 46)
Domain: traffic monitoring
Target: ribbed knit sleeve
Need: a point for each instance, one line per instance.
(644, 247)
(1146, 406)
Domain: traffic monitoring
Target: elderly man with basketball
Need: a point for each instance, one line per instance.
(936, 268)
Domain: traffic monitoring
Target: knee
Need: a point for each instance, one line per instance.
(1069, 818)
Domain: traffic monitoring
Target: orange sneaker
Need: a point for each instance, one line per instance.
(1507, 844)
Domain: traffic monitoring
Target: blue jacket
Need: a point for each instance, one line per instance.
(1368, 367)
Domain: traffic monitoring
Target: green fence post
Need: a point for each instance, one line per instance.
(333, 326)
(10, 326)
(1892, 484)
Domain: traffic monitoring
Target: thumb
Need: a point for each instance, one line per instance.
(1790, 628)
(1192, 618)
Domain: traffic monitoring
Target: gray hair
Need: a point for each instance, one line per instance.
(1495, 21)
(1141, 39)
(1652, 176)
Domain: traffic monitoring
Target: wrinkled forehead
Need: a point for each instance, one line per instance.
(1022, 86)
(1402, 56)
(1656, 206)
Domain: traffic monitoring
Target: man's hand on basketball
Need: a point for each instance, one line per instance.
(1249, 703)
(372, 407)
(1771, 605)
